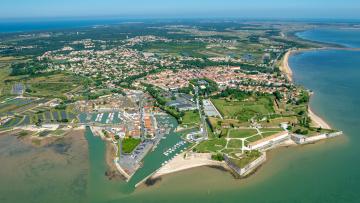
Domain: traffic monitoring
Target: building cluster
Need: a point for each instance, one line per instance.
(110, 65)
(132, 118)
(232, 77)
(183, 102)
(215, 40)
(149, 122)
(146, 38)
(107, 103)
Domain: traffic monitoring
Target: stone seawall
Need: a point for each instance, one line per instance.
(248, 168)
(301, 139)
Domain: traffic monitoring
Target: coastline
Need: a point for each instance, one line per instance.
(114, 170)
(317, 120)
(186, 161)
(286, 69)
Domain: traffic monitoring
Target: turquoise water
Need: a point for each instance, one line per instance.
(100, 189)
(325, 172)
(154, 159)
(344, 37)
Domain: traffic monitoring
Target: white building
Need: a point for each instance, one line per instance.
(270, 141)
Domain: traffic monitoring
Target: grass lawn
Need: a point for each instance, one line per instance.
(191, 118)
(129, 144)
(242, 133)
(246, 159)
(217, 123)
(210, 133)
(231, 151)
(266, 132)
(174, 48)
(278, 121)
(254, 139)
(313, 131)
(244, 110)
(235, 144)
(213, 145)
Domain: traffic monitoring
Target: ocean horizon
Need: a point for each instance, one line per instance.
(324, 172)
(53, 24)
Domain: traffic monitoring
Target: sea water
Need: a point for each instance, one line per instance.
(327, 171)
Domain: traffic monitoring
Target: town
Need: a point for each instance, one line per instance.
(192, 96)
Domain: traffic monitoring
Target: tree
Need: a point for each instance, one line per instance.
(278, 95)
(28, 90)
(298, 131)
(217, 157)
(39, 122)
(304, 98)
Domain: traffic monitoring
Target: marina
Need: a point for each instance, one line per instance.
(174, 148)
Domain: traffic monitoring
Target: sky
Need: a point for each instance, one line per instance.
(336, 9)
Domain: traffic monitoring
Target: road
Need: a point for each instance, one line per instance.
(203, 124)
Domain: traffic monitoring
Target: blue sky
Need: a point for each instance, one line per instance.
(345, 9)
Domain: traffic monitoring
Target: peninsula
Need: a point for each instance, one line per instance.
(187, 94)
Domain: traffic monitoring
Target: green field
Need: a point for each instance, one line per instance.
(5, 62)
(174, 48)
(50, 89)
(53, 86)
(278, 121)
(4, 72)
(246, 158)
(254, 138)
(242, 133)
(42, 85)
(312, 131)
(219, 123)
(235, 144)
(129, 144)
(244, 110)
(190, 118)
(212, 145)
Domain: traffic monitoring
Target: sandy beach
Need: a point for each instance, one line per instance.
(285, 68)
(318, 121)
(191, 160)
(114, 171)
